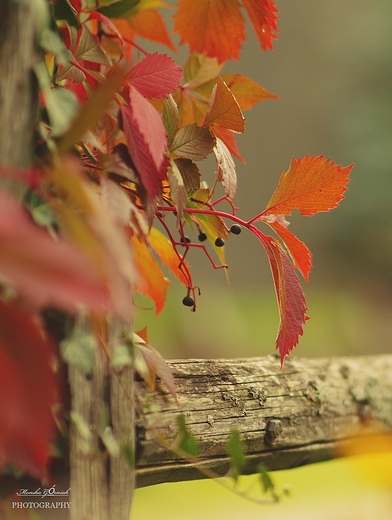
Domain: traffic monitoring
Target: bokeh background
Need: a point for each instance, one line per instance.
(332, 69)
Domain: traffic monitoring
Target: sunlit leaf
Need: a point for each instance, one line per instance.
(164, 249)
(262, 15)
(310, 185)
(215, 28)
(246, 91)
(150, 281)
(289, 294)
(300, 254)
(224, 111)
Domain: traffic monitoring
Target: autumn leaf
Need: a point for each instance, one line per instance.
(289, 294)
(150, 364)
(246, 91)
(228, 137)
(156, 75)
(199, 70)
(300, 254)
(150, 281)
(262, 16)
(46, 272)
(190, 174)
(149, 24)
(193, 142)
(146, 141)
(311, 185)
(177, 190)
(224, 111)
(28, 388)
(168, 256)
(84, 220)
(215, 28)
(225, 168)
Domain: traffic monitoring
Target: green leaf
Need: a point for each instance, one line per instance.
(62, 106)
(121, 357)
(265, 479)
(199, 69)
(193, 142)
(236, 454)
(63, 10)
(79, 350)
(187, 441)
(118, 9)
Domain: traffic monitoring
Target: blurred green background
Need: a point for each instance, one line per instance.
(332, 68)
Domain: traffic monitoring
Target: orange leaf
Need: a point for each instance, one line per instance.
(311, 185)
(150, 281)
(149, 24)
(262, 16)
(224, 111)
(289, 294)
(300, 254)
(246, 91)
(28, 390)
(212, 27)
(164, 249)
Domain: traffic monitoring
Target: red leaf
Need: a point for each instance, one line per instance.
(28, 390)
(150, 125)
(311, 185)
(262, 16)
(212, 27)
(224, 111)
(289, 294)
(300, 254)
(149, 159)
(155, 76)
(45, 271)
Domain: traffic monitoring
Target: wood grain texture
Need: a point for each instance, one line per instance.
(19, 53)
(320, 403)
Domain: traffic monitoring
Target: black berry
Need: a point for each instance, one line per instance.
(188, 301)
(236, 229)
(219, 242)
(202, 236)
(185, 239)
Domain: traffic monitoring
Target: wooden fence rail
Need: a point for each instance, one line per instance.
(302, 416)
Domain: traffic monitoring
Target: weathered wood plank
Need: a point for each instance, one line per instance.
(320, 403)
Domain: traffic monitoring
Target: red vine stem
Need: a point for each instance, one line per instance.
(246, 223)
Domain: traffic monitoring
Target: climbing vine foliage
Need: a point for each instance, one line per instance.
(117, 189)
